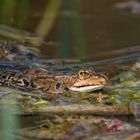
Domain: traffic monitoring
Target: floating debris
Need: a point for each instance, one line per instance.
(130, 6)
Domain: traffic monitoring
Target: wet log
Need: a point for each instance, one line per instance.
(83, 109)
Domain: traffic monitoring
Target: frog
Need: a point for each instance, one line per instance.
(26, 76)
(84, 80)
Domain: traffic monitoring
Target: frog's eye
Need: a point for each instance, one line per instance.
(84, 74)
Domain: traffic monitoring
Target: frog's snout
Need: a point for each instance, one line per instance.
(102, 78)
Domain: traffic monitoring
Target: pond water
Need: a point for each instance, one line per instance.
(87, 29)
(95, 32)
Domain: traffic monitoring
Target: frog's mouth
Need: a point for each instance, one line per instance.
(93, 83)
(89, 88)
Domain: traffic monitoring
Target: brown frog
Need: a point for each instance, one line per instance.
(85, 80)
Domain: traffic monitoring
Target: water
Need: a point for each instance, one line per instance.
(96, 32)
(88, 29)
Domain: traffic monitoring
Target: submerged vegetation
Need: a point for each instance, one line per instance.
(73, 112)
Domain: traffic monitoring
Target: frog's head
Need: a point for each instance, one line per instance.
(88, 80)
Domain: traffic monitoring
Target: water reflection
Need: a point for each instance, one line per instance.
(7, 11)
(48, 19)
(23, 13)
(64, 32)
(70, 29)
(79, 34)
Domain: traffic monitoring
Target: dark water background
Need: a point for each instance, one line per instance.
(84, 29)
